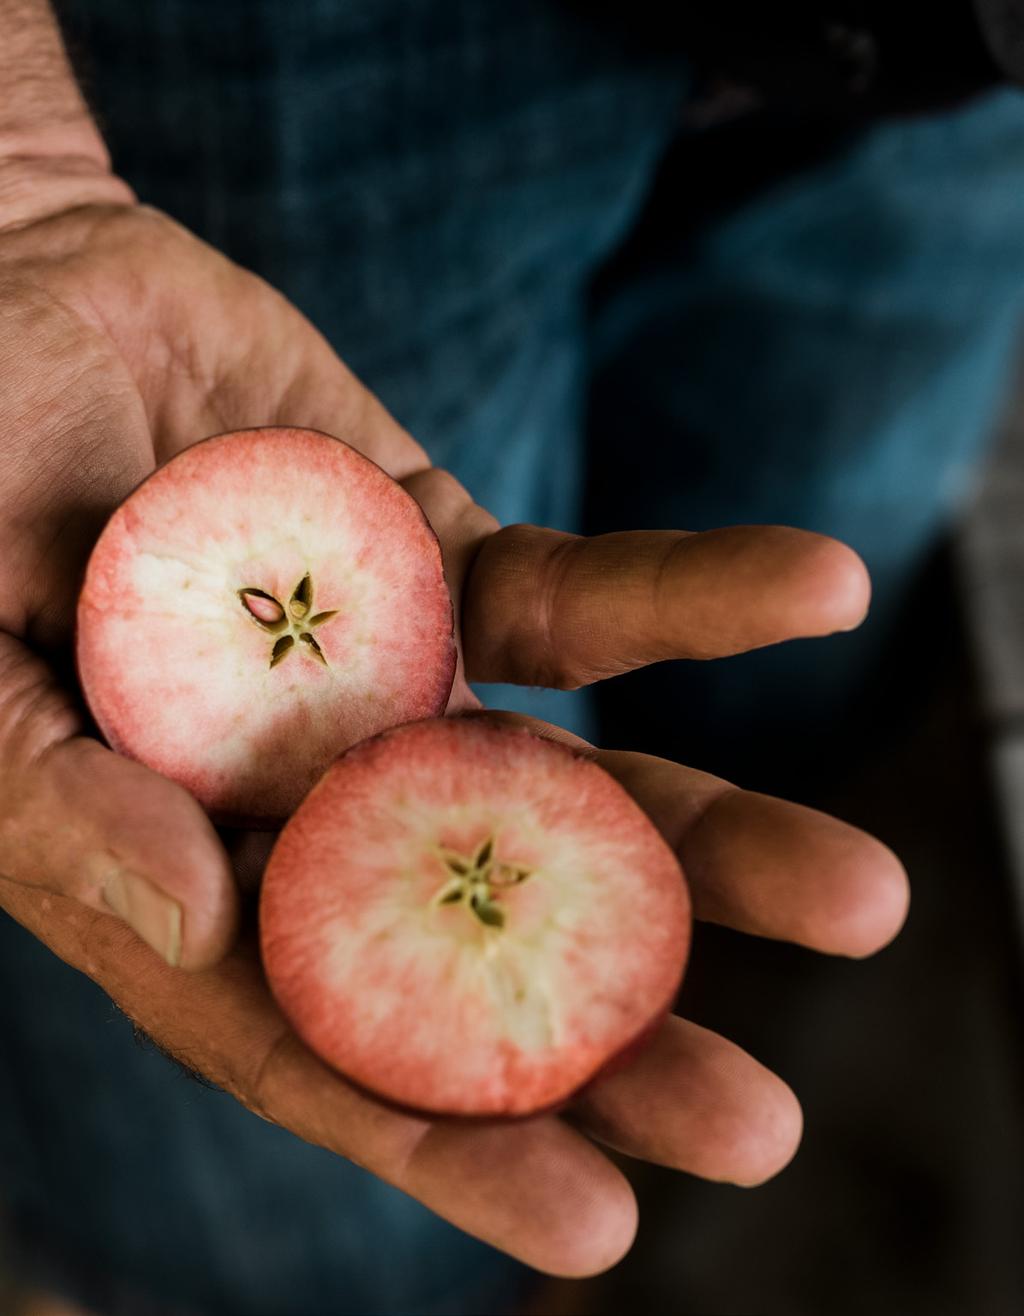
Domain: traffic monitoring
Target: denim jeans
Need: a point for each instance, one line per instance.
(501, 218)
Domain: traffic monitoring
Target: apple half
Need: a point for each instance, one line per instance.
(266, 599)
(467, 919)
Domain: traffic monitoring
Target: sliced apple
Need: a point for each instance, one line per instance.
(465, 918)
(263, 601)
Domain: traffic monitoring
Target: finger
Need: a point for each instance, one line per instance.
(536, 1188)
(758, 864)
(461, 526)
(693, 1101)
(544, 608)
(768, 867)
(80, 821)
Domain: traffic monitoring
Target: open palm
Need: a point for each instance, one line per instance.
(124, 340)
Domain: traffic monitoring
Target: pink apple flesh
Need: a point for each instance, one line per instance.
(467, 919)
(263, 601)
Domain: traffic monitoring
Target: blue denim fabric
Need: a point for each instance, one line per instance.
(828, 352)
(436, 184)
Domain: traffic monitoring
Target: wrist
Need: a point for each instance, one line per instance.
(52, 157)
(54, 167)
(34, 186)
(54, 138)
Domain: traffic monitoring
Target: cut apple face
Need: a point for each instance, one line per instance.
(262, 602)
(466, 919)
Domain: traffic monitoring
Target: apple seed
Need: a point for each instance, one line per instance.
(263, 608)
(281, 648)
(269, 614)
(314, 648)
(470, 881)
(298, 604)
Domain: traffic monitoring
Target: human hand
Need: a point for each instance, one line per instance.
(123, 340)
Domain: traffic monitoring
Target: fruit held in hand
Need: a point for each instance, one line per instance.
(468, 919)
(263, 601)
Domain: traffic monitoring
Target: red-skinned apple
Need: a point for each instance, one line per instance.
(467, 919)
(266, 599)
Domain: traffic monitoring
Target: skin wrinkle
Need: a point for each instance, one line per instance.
(42, 722)
(711, 909)
(462, 538)
(400, 1164)
(588, 630)
(29, 194)
(28, 709)
(500, 650)
(169, 359)
(549, 668)
(42, 327)
(684, 840)
(181, 360)
(52, 244)
(712, 642)
(608, 573)
(659, 607)
(13, 658)
(753, 1139)
(171, 355)
(254, 1085)
(160, 351)
(403, 1133)
(64, 344)
(87, 470)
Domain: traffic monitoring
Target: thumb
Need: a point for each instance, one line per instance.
(80, 821)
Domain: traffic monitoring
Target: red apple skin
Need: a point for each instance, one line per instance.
(613, 1065)
(250, 743)
(421, 1012)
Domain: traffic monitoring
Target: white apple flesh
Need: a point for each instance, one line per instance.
(263, 601)
(471, 920)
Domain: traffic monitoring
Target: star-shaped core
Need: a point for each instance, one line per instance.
(472, 881)
(292, 623)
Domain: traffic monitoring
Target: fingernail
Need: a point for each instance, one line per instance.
(154, 916)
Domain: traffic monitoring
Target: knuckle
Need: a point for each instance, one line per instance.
(34, 713)
(255, 1088)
